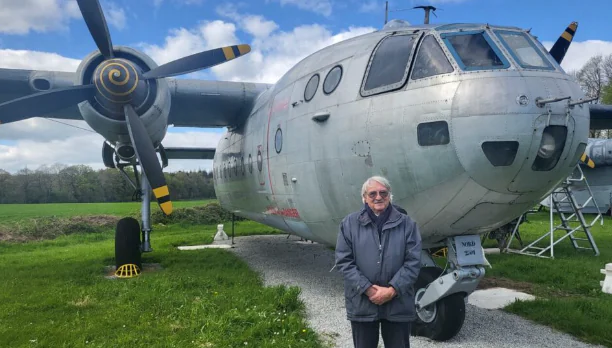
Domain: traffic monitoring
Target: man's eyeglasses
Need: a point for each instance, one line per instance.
(374, 194)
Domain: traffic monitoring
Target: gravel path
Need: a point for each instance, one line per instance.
(304, 264)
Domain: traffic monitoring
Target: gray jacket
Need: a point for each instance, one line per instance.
(365, 260)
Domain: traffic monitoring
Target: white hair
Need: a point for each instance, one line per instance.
(379, 179)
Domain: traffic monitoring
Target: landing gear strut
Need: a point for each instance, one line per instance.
(128, 243)
(440, 320)
(439, 296)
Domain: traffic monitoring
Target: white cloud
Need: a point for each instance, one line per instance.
(580, 52)
(273, 52)
(33, 60)
(21, 17)
(114, 15)
(323, 7)
(36, 142)
(77, 149)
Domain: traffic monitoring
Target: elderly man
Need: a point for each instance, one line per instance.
(378, 253)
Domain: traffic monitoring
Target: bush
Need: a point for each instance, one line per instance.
(211, 213)
(52, 227)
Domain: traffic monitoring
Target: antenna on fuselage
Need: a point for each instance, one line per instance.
(427, 9)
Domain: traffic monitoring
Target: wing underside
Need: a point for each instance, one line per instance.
(601, 116)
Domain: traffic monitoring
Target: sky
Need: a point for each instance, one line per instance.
(51, 35)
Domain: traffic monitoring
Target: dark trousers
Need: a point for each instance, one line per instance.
(394, 334)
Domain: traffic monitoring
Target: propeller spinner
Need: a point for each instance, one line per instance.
(122, 84)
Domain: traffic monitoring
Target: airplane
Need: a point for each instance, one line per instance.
(596, 166)
(473, 124)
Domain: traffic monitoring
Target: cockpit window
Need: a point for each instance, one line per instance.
(430, 60)
(523, 50)
(475, 51)
(388, 67)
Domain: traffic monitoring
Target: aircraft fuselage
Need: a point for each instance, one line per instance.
(466, 151)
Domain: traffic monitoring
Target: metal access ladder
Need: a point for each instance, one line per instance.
(560, 200)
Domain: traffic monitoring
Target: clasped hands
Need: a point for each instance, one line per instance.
(379, 294)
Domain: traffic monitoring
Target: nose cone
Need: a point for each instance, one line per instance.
(508, 144)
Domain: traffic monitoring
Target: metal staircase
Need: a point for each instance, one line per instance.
(573, 222)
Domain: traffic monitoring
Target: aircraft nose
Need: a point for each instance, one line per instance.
(515, 147)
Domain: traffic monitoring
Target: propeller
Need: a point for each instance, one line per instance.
(115, 80)
(560, 47)
(44, 102)
(148, 159)
(587, 160)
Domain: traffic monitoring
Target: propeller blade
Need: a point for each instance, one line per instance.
(563, 42)
(94, 18)
(587, 160)
(198, 61)
(148, 159)
(44, 102)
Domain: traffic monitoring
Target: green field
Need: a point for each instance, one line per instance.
(17, 212)
(54, 293)
(569, 297)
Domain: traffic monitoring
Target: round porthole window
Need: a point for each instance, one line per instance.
(278, 140)
(259, 160)
(250, 164)
(311, 87)
(332, 80)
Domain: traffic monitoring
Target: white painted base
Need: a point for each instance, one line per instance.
(206, 246)
(496, 298)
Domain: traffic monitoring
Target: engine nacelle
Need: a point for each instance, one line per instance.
(600, 151)
(107, 118)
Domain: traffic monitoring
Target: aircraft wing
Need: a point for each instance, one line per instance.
(601, 116)
(189, 153)
(194, 103)
(16, 83)
(203, 103)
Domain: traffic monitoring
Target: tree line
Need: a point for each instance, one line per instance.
(82, 184)
(595, 78)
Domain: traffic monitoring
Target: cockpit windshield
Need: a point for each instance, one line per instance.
(523, 50)
(474, 50)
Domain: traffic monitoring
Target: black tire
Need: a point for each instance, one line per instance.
(127, 243)
(449, 311)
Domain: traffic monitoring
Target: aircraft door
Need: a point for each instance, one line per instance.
(275, 157)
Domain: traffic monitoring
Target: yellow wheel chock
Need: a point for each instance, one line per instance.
(440, 253)
(128, 271)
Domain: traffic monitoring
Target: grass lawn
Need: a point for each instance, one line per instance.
(567, 287)
(54, 294)
(16, 212)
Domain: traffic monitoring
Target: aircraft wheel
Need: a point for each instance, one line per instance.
(443, 319)
(127, 243)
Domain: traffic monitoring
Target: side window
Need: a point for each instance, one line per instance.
(388, 68)
(433, 133)
(475, 51)
(332, 79)
(430, 60)
(311, 87)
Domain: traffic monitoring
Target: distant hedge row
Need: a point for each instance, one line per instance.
(52, 227)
